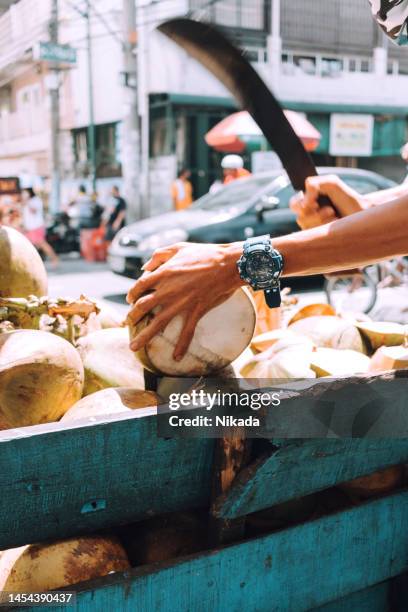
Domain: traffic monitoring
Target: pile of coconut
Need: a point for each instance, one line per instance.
(64, 359)
(316, 342)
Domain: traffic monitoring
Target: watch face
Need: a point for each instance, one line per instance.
(259, 267)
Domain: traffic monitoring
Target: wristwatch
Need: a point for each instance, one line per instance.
(260, 265)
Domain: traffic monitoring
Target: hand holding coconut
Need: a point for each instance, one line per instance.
(187, 280)
(191, 279)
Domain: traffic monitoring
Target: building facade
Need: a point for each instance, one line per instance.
(325, 58)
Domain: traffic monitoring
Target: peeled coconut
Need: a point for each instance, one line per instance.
(330, 332)
(288, 358)
(42, 567)
(389, 358)
(264, 341)
(332, 362)
(382, 333)
(41, 376)
(107, 316)
(112, 401)
(313, 310)
(108, 361)
(379, 482)
(22, 272)
(221, 336)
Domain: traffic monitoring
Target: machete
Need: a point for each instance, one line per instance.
(214, 51)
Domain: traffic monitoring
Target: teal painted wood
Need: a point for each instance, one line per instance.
(289, 571)
(56, 482)
(373, 599)
(298, 469)
(61, 481)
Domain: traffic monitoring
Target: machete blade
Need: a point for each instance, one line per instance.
(214, 51)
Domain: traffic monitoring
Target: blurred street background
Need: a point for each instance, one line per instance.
(104, 123)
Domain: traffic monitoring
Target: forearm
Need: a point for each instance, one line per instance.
(385, 195)
(354, 241)
(351, 242)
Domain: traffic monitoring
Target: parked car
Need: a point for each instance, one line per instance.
(248, 207)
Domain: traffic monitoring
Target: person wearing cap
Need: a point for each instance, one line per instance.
(354, 231)
(233, 168)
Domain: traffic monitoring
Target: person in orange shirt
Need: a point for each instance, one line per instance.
(233, 168)
(182, 190)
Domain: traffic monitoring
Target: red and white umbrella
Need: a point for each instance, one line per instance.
(232, 134)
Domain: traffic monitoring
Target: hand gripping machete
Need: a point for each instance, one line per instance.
(214, 51)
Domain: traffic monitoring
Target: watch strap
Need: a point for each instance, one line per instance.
(273, 296)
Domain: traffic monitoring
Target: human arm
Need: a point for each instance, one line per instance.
(346, 201)
(119, 219)
(191, 279)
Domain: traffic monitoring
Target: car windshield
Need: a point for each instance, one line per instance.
(238, 193)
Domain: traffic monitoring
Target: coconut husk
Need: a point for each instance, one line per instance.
(389, 358)
(53, 565)
(220, 337)
(378, 483)
(330, 332)
(22, 272)
(108, 361)
(41, 377)
(382, 333)
(333, 362)
(313, 310)
(113, 401)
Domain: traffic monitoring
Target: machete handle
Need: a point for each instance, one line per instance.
(326, 201)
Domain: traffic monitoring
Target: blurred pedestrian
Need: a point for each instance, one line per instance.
(117, 217)
(81, 210)
(97, 209)
(34, 223)
(233, 168)
(182, 190)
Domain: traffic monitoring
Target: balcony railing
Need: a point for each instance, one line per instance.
(14, 126)
(20, 27)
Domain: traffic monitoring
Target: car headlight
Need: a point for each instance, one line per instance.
(125, 238)
(156, 241)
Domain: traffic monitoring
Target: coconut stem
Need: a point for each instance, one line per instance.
(61, 316)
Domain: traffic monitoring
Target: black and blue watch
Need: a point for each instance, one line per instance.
(261, 266)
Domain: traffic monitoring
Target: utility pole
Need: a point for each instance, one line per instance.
(91, 122)
(55, 117)
(131, 126)
(274, 40)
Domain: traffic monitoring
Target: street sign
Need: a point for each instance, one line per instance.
(54, 52)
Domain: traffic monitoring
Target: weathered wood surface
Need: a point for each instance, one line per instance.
(294, 570)
(230, 457)
(298, 469)
(56, 481)
(373, 599)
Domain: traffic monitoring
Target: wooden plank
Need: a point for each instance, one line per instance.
(231, 454)
(56, 481)
(297, 569)
(373, 599)
(297, 469)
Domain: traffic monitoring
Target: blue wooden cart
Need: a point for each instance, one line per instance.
(58, 480)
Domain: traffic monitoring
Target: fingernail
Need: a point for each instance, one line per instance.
(134, 346)
(177, 357)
